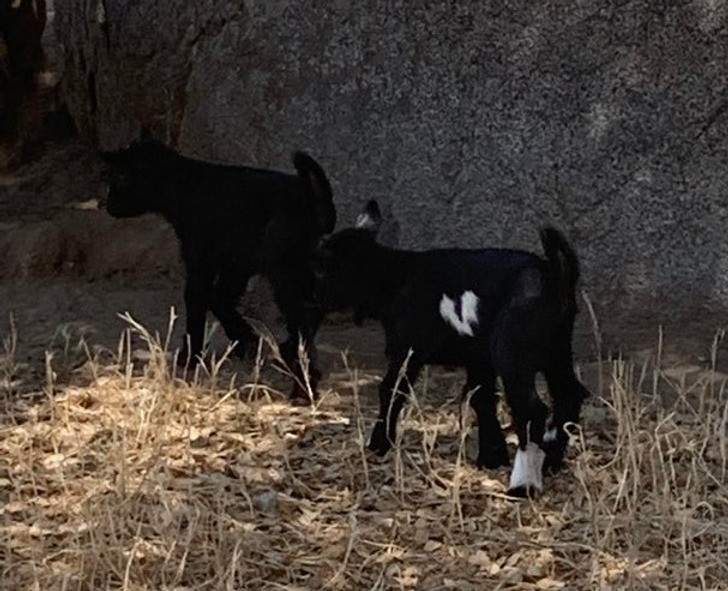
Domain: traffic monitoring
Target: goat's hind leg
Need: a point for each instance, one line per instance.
(226, 293)
(568, 394)
(492, 448)
(521, 346)
(529, 415)
(516, 350)
(293, 294)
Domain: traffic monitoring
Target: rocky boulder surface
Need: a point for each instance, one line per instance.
(473, 123)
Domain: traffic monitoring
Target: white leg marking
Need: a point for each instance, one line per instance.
(468, 309)
(550, 435)
(527, 468)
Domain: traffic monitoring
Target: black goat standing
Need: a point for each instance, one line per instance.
(232, 222)
(495, 312)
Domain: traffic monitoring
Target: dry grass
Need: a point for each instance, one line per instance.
(140, 480)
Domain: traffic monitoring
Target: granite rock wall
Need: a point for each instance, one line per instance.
(473, 122)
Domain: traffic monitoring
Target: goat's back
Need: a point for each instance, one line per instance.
(492, 273)
(451, 300)
(253, 216)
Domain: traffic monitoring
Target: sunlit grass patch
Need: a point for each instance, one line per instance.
(134, 478)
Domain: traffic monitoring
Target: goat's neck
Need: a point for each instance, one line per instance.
(174, 197)
(392, 269)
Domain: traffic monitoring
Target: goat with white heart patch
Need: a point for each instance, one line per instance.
(495, 312)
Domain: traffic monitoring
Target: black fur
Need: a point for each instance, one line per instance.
(525, 318)
(232, 222)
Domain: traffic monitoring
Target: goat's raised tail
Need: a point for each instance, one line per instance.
(564, 265)
(314, 177)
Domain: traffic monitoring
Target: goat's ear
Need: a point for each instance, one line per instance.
(370, 218)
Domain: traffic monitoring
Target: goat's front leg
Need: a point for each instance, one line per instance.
(391, 402)
(198, 287)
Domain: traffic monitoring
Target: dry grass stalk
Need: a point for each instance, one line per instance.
(141, 480)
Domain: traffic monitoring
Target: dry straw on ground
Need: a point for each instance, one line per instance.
(139, 480)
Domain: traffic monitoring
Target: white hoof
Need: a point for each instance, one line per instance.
(527, 475)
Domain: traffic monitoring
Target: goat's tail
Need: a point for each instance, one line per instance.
(319, 189)
(564, 267)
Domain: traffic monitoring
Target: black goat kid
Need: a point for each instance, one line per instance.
(495, 312)
(232, 222)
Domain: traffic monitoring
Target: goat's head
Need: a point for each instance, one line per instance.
(345, 263)
(135, 177)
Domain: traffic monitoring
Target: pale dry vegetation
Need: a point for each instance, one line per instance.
(128, 477)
